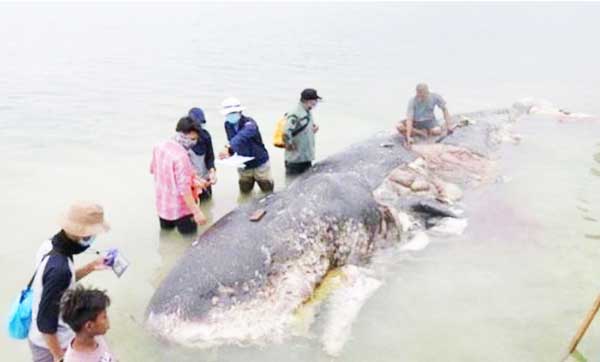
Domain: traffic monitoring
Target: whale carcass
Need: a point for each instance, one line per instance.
(242, 281)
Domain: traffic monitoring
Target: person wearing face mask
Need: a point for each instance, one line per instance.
(202, 154)
(245, 140)
(299, 134)
(176, 184)
(49, 336)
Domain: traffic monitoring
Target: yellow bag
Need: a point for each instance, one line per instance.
(278, 139)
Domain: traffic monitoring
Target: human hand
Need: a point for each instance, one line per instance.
(199, 217)
(315, 128)
(212, 178)
(224, 154)
(201, 183)
(99, 264)
(290, 146)
(408, 143)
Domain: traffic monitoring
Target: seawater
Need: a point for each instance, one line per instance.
(87, 89)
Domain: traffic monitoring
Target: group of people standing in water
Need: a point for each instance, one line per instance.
(184, 166)
(68, 321)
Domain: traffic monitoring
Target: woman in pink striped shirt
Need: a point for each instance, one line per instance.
(176, 184)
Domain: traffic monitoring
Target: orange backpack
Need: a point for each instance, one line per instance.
(278, 136)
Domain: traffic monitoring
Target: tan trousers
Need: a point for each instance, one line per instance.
(261, 175)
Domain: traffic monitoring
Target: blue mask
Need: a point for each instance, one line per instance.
(233, 118)
(87, 241)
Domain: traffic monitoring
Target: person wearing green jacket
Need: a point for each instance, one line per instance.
(299, 134)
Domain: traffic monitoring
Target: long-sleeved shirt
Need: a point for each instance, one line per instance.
(55, 274)
(245, 140)
(173, 177)
(299, 132)
(202, 154)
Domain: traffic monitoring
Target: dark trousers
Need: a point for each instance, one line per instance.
(185, 225)
(296, 168)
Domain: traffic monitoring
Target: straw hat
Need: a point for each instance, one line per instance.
(84, 219)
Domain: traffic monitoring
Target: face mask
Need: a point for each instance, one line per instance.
(184, 141)
(87, 241)
(310, 105)
(77, 248)
(233, 118)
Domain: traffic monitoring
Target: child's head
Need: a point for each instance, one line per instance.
(84, 310)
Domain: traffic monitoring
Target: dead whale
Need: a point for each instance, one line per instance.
(241, 281)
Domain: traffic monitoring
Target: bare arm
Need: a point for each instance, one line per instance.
(88, 268)
(54, 346)
(447, 118)
(199, 217)
(212, 176)
(409, 127)
(410, 118)
(185, 179)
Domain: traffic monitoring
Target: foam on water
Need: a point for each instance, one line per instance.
(344, 305)
(419, 241)
(449, 226)
(532, 105)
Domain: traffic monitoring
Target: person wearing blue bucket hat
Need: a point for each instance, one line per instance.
(202, 154)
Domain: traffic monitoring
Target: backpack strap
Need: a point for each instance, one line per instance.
(298, 130)
(36, 269)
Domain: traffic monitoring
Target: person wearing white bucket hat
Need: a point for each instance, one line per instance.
(245, 140)
(49, 336)
(231, 105)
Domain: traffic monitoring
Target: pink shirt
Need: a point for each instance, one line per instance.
(101, 354)
(173, 174)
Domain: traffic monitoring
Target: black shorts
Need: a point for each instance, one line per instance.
(185, 225)
(296, 168)
(426, 124)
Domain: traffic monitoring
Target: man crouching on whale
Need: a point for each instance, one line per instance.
(420, 116)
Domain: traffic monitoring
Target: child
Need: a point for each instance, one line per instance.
(84, 310)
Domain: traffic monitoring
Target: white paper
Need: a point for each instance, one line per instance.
(120, 265)
(236, 161)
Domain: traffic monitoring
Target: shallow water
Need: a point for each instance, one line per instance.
(86, 90)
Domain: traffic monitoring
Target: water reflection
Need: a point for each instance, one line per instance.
(172, 244)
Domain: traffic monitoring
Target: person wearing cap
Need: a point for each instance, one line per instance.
(299, 134)
(202, 154)
(420, 115)
(49, 336)
(245, 140)
(176, 185)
